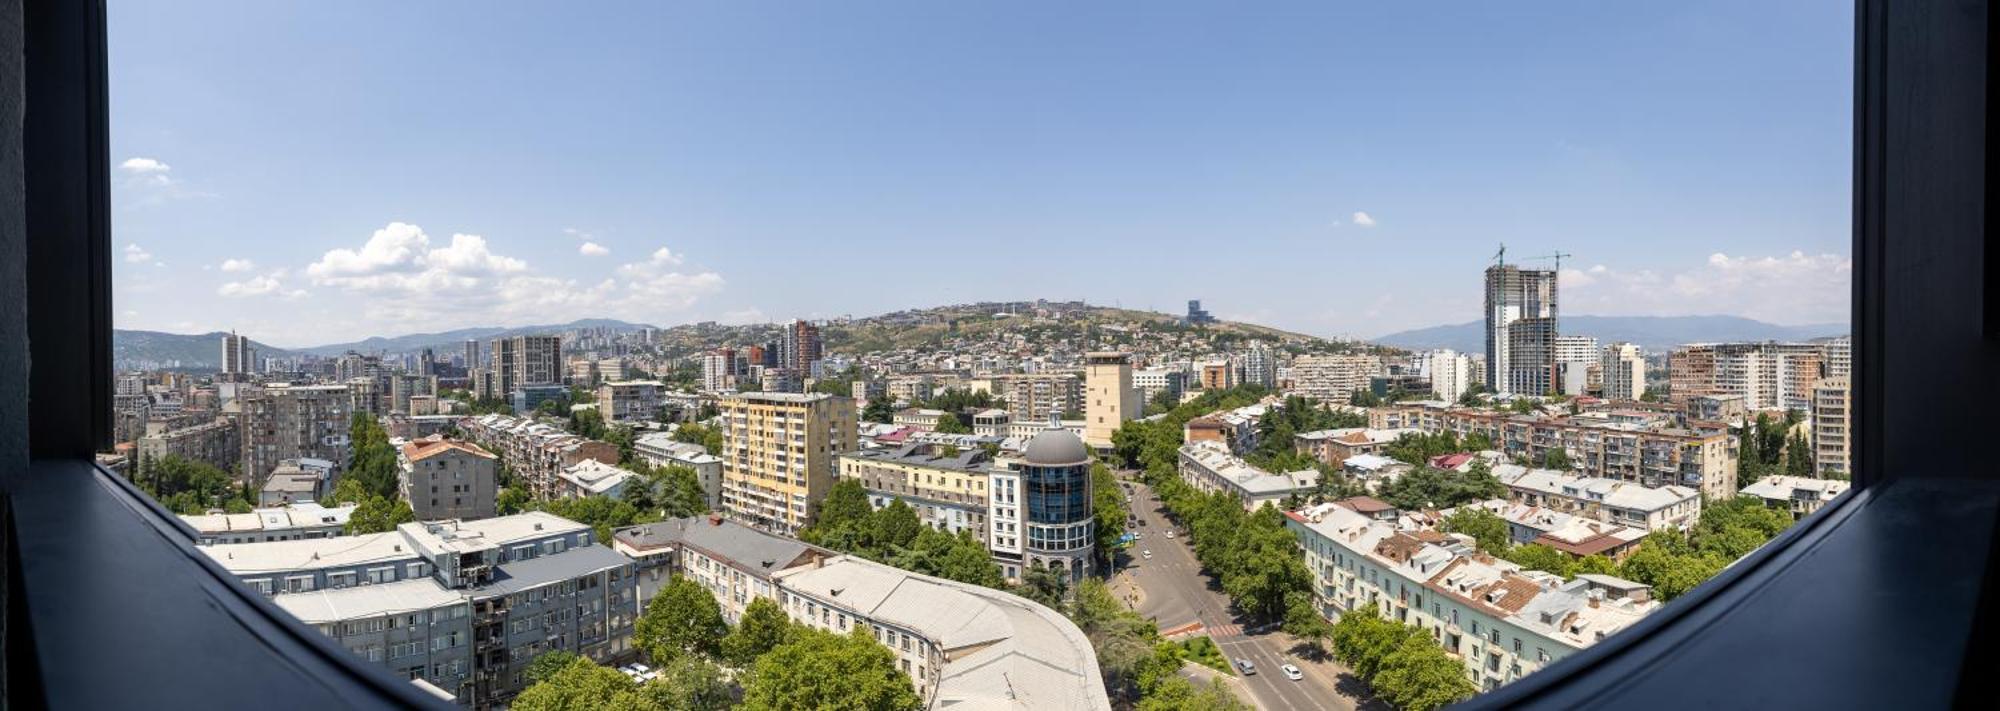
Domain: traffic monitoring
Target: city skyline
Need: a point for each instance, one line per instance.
(1337, 176)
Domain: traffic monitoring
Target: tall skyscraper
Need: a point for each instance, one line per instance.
(1831, 424)
(238, 358)
(427, 363)
(525, 360)
(1521, 329)
(1450, 373)
(1109, 398)
(472, 361)
(800, 347)
(1624, 370)
(1259, 368)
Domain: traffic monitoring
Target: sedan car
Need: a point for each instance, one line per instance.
(1148, 555)
(1246, 666)
(1292, 672)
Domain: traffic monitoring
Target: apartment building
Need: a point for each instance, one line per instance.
(218, 443)
(293, 522)
(1450, 373)
(1500, 621)
(947, 489)
(963, 646)
(1209, 467)
(238, 357)
(630, 400)
(536, 452)
(1799, 495)
(1573, 533)
(522, 361)
(1623, 369)
(1609, 500)
(1769, 376)
(1832, 422)
(283, 421)
(778, 455)
(296, 480)
(1336, 446)
(660, 449)
(1216, 374)
(1260, 367)
(1333, 378)
(910, 388)
(594, 478)
(1644, 448)
(464, 606)
(1150, 382)
(1110, 399)
(1033, 397)
(800, 348)
(735, 563)
(448, 479)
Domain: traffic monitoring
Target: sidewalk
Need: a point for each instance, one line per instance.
(1201, 676)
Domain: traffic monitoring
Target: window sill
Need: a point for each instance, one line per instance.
(121, 611)
(1881, 585)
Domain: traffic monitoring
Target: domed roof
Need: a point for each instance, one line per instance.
(1056, 447)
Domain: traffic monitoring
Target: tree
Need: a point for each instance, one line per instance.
(372, 460)
(1362, 640)
(682, 619)
(1485, 527)
(842, 521)
(1305, 623)
(189, 486)
(588, 424)
(693, 433)
(961, 557)
(1419, 676)
(1043, 584)
(682, 495)
(1177, 694)
(1556, 458)
(376, 515)
(1108, 508)
(579, 685)
(685, 684)
(548, 664)
(763, 628)
(949, 423)
(880, 409)
(823, 670)
(511, 500)
(1429, 488)
(1535, 556)
(601, 513)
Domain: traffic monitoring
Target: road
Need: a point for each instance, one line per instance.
(1176, 594)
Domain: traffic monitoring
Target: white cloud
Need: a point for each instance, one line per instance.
(1796, 288)
(237, 265)
(137, 255)
(401, 279)
(260, 285)
(1361, 219)
(141, 166)
(579, 234)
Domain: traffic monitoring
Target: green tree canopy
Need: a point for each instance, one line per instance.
(763, 628)
(822, 670)
(682, 619)
(1485, 527)
(1419, 676)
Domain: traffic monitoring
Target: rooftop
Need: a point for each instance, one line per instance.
(722, 539)
(400, 597)
(303, 514)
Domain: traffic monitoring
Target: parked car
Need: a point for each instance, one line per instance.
(1170, 535)
(1148, 555)
(1246, 666)
(1292, 672)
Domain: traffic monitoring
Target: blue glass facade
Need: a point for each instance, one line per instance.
(1056, 495)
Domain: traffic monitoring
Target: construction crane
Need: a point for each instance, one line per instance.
(1558, 257)
(1500, 257)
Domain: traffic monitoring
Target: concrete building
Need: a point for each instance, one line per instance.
(1799, 495)
(947, 489)
(1839, 357)
(1260, 367)
(292, 522)
(238, 358)
(1769, 376)
(963, 646)
(778, 455)
(1040, 507)
(447, 479)
(629, 400)
(296, 480)
(1623, 367)
(1109, 398)
(719, 370)
(464, 606)
(911, 388)
(1499, 620)
(661, 450)
(536, 452)
(1832, 422)
(1449, 372)
(1647, 449)
(1216, 374)
(735, 563)
(218, 443)
(282, 421)
(522, 361)
(1521, 329)
(1580, 354)
(1333, 378)
(1032, 397)
(594, 478)
(1150, 382)
(800, 348)
(1209, 467)
(1608, 500)
(1339, 445)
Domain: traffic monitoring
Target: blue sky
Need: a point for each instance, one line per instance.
(313, 172)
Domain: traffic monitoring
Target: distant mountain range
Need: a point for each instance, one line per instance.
(1653, 333)
(203, 351)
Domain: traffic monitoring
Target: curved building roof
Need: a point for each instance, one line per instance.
(1056, 447)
